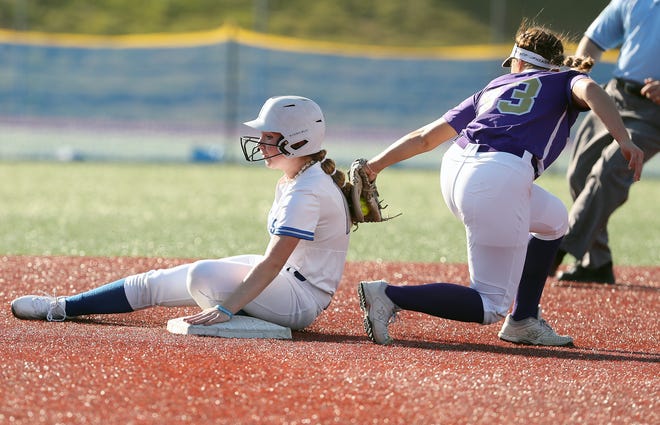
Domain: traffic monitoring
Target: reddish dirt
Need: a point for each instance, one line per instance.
(127, 369)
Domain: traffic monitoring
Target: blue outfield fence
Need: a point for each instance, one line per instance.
(183, 97)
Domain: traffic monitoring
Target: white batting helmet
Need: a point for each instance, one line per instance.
(297, 119)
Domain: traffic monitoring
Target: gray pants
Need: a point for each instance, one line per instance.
(599, 177)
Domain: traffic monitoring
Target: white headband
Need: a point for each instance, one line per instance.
(529, 57)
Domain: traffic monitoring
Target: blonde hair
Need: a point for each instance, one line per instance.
(544, 42)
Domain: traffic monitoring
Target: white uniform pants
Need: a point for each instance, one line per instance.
(494, 195)
(286, 300)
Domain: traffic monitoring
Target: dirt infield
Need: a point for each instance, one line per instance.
(127, 369)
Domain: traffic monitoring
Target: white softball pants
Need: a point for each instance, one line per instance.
(285, 301)
(494, 195)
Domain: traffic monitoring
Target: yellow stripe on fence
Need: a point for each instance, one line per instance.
(267, 41)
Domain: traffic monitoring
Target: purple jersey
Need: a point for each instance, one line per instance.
(531, 111)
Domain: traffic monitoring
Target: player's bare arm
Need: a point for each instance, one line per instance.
(278, 251)
(414, 143)
(588, 93)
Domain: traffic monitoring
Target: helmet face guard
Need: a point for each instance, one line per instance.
(250, 147)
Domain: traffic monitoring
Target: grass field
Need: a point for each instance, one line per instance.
(199, 211)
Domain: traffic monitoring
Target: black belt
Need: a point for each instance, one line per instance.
(630, 87)
(297, 274)
(463, 142)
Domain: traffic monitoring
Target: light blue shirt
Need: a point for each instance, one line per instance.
(635, 26)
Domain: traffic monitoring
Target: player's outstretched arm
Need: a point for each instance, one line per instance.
(587, 92)
(414, 143)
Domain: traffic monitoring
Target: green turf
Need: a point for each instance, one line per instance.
(200, 211)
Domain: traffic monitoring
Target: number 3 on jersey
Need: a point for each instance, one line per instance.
(522, 99)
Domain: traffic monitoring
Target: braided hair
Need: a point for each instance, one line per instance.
(544, 42)
(328, 165)
(338, 176)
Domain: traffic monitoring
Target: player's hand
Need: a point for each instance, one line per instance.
(651, 90)
(208, 316)
(635, 157)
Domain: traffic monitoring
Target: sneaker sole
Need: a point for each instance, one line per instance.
(515, 340)
(365, 309)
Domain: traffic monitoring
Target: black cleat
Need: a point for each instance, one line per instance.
(577, 273)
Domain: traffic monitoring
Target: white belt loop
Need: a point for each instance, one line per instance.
(471, 149)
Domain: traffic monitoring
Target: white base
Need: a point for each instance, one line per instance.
(238, 327)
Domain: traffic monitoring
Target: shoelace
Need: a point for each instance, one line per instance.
(546, 327)
(53, 315)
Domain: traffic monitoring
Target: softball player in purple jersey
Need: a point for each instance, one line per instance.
(504, 137)
(292, 283)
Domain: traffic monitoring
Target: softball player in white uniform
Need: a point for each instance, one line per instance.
(291, 283)
(504, 137)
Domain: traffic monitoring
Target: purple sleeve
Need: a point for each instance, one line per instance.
(460, 116)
